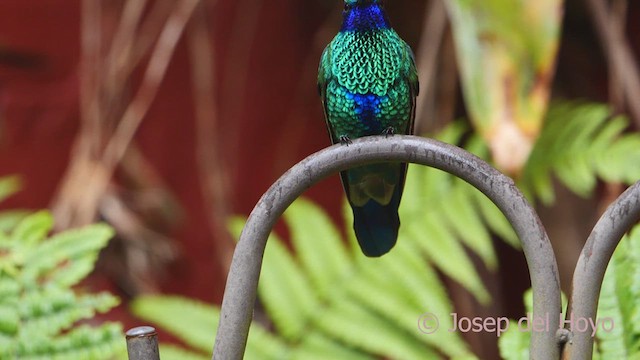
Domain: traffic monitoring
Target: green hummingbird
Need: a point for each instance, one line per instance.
(368, 83)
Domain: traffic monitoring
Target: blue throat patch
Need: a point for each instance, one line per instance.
(364, 17)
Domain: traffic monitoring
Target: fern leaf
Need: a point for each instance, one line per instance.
(191, 321)
(514, 344)
(416, 280)
(171, 352)
(386, 300)
(195, 324)
(286, 290)
(316, 346)
(463, 217)
(398, 279)
(37, 306)
(612, 344)
(495, 220)
(283, 287)
(317, 244)
(580, 144)
(350, 323)
(64, 256)
(618, 301)
(82, 343)
(32, 229)
(9, 320)
(440, 246)
(52, 310)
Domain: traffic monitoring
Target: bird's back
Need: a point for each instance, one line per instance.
(368, 85)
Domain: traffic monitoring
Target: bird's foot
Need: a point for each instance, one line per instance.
(388, 131)
(344, 140)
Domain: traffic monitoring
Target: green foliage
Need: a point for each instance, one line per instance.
(514, 343)
(618, 302)
(38, 308)
(580, 144)
(445, 217)
(328, 301)
(196, 327)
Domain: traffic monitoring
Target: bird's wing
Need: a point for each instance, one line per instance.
(324, 76)
(414, 84)
(411, 76)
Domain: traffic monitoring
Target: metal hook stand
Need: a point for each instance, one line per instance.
(242, 282)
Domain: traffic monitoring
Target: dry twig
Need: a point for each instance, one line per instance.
(213, 169)
(618, 53)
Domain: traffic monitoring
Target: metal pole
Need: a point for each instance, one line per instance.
(241, 287)
(142, 343)
(588, 275)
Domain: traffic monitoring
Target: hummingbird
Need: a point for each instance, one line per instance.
(368, 84)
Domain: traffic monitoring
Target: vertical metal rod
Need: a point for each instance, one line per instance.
(242, 282)
(588, 275)
(142, 343)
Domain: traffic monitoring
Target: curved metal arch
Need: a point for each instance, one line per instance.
(242, 282)
(592, 264)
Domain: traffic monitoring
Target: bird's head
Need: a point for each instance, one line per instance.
(364, 15)
(356, 3)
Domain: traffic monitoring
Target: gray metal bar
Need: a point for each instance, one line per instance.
(241, 287)
(142, 343)
(588, 275)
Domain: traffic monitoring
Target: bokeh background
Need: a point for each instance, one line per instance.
(166, 117)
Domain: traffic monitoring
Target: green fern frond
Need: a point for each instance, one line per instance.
(378, 288)
(38, 309)
(284, 289)
(82, 343)
(350, 323)
(319, 249)
(445, 216)
(172, 352)
(52, 310)
(619, 301)
(354, 311)
(189, 320)
(316, 346)
(580, 144)
(514, 343)
(32, 229)
(67, 257)
(195, 322)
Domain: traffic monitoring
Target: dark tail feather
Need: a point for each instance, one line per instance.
(376, 225)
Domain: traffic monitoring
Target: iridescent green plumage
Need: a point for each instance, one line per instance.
(368, 83)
